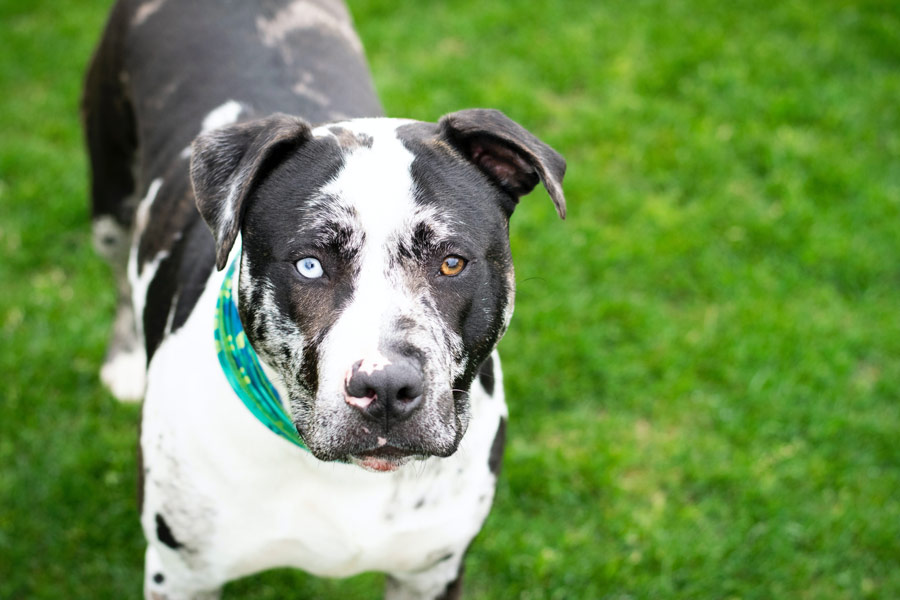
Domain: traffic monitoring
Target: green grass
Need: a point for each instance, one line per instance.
(704, 368)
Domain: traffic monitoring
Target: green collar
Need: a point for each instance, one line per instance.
(242, 369)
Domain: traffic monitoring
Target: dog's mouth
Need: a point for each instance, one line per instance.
(383, 459)
(342, 436)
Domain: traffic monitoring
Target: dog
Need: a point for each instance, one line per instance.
(310, 296)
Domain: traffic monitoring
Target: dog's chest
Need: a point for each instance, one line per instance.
(340, 524)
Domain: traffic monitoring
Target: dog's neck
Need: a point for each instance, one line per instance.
(249, 379)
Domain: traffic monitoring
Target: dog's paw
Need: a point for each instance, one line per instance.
(124, 374)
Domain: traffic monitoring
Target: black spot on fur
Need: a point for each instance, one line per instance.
(496, 457)
(164, 534)
(159, 578)
(198, 258)
(420, 503)
(486, 376)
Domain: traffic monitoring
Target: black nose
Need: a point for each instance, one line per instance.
(392, 392)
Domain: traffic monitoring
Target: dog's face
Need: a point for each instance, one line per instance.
(375, 270)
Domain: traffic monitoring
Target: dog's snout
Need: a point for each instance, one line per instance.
(390, 389)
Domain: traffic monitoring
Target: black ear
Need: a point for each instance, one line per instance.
(227, 162)
(507, 152)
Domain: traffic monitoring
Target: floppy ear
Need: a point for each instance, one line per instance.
(507, 152)
(227, 162)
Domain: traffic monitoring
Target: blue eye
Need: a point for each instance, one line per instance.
(310, 267)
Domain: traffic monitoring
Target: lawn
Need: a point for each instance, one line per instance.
(703, 371)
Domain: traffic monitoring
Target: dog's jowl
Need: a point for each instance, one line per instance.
(309, 296)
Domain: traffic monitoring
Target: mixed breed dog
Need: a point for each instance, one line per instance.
(309, 312)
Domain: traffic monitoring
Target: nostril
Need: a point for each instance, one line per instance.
(406, 402)
(359, 385)
(406, 395)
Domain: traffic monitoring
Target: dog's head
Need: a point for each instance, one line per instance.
(375, 272)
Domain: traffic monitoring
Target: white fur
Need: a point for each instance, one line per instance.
(143, 209)
(106, 227)
(124, 370)
(145, 11)
(381, 210)
(125, 374)
(224, 114)
(140, 277)
(303, 87)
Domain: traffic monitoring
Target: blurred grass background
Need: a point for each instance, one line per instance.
(704, 367)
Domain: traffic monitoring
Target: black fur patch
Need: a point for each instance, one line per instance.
(486, 376)
(160, 292)
(420, 245)
(495, 460)
(164, 534)
(199, 258)
(109, 125)
(178, 283)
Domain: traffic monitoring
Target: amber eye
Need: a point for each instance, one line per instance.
(452, 265)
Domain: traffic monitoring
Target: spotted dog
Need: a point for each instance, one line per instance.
(367, 261)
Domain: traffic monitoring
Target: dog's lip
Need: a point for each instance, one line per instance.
(383, 458)
(387, 451)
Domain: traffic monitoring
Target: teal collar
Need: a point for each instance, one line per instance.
(242, 369)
